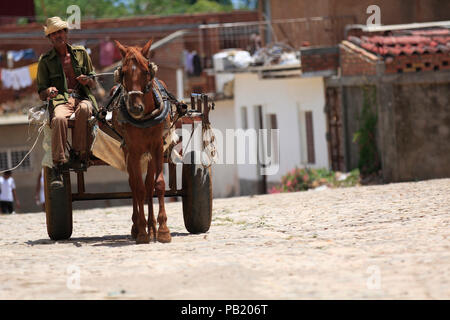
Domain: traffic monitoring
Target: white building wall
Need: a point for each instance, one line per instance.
(224, 176)
(287, 98)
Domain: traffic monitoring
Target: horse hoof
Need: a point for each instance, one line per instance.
(164, 237)
(143, 239)
(134, 232)
(152, 233)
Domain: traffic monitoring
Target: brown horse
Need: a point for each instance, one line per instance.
(137, 82)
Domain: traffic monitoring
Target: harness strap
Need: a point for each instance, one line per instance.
(157, 116)
(181, 106)
(145, 123)
(163, 99)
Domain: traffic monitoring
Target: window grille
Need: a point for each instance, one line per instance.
(3, 160)
(11, 158)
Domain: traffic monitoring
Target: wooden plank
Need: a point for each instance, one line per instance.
(80, 182)
(172, 177)
(118, 195)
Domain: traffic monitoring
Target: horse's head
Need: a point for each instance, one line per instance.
(136, 77)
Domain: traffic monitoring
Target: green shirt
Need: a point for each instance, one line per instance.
(51, 74)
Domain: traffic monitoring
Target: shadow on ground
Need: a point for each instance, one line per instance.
(107, 241)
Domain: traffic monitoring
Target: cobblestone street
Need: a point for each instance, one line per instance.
(374, 242)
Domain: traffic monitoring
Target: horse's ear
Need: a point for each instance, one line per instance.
(146, 49)
(122, 49)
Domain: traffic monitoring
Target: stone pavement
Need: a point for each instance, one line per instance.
(376, 242)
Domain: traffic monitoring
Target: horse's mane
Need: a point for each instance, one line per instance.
(134, 53)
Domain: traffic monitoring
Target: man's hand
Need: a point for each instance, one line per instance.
(51, 92)
(111, 92)
(84, 80)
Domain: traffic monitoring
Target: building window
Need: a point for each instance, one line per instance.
(3, 160)
(17, 156)
(273, 142)
(11, 158)
(306, 127)
(273, 121)
(310, 137)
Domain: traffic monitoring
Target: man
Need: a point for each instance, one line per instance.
(8, 193)
(64, 78)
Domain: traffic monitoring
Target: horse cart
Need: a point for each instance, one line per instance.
(196, 186)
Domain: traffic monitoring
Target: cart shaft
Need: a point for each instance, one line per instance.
(118, 195)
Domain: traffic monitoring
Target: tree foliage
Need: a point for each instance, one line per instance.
(365, 137)
(129, 8)
(208, 6)
(89, 8)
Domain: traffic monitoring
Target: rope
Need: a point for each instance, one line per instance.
(41, 128)
(101, 74)
(209, 146)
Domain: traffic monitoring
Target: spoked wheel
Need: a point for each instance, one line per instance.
(197, 200)
(58, 207)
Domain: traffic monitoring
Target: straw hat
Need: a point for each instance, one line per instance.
(54, 24)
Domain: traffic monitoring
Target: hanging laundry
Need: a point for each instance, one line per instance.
(9, 59)
(117, 56)
(29, 54)
(23, 76)
(32, 68)
(16, 78)
(106, 53)
(23, 54)
(9, 79)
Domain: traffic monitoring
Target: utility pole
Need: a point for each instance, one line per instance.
(43, 8)
(267, 16)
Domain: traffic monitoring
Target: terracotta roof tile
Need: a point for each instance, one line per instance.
(406, 42)
(431, 32)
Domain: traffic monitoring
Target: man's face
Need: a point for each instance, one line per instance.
(58, 38)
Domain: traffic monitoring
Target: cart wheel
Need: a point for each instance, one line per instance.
(58, 207)
(197, 201)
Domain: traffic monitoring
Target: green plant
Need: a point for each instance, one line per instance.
(365, 137)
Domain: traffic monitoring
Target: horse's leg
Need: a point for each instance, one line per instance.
(134, 230)
(163, 230)
(138, 191)
(150, 186)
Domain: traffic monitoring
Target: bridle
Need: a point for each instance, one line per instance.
(163, 105)
(150, 73)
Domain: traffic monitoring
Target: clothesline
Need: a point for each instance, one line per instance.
(17, 55)
(18, 78)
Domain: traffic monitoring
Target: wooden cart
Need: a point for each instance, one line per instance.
(196, 190)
